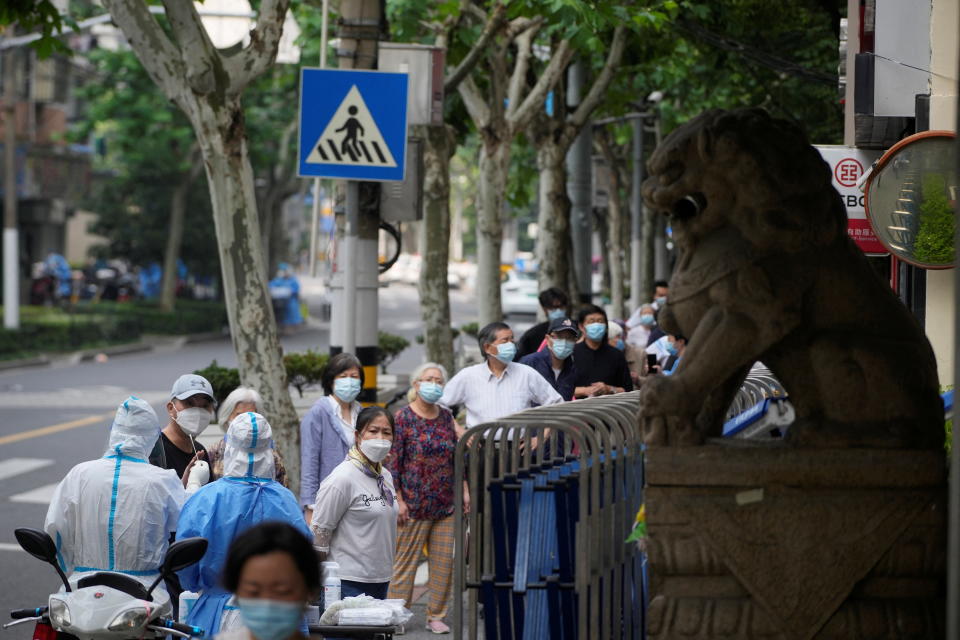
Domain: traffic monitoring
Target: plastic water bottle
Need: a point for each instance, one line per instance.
(331, 583)
(187, 600)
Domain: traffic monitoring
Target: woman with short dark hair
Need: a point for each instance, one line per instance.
(354, 519)
(327, 430)
(273, 572)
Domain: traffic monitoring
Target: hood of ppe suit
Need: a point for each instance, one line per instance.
(135, 429)
(248, 447)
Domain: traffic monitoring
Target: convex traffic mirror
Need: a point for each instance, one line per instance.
(911, 199)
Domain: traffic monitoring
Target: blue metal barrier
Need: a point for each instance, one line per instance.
(555, 491)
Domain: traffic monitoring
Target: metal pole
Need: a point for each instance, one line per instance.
(11, 242)
(579, 187)
(315, 217)
(349, 266)
(636, 215)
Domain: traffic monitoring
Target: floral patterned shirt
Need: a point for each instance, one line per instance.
(421, 462)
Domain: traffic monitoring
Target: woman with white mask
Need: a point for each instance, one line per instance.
(190, 410)
(354, 519)
(421, 460)
(327, 430)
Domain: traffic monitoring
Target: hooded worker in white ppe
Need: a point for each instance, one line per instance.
(117, 513)
(246, 495)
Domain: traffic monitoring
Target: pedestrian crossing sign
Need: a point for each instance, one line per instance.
(353, 124)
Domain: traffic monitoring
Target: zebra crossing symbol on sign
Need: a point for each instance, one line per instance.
(352, 137)
(353, 124)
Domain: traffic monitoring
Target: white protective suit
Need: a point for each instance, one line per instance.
(117, 513)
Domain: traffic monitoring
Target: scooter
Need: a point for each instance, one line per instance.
(107, 605)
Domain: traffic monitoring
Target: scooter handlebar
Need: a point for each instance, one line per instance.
(195, 632)
(17, 614)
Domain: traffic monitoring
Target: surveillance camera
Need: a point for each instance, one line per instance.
(655, 97)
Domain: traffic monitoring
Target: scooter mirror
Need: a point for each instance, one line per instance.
(40, 545)
(37, 543)
(180, 555)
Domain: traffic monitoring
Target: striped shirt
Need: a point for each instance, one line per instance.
(487, 397)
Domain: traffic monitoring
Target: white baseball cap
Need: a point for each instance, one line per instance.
(190, 384)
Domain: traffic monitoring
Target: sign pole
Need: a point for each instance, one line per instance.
(315, 218)
(636, 216)
(350, 235)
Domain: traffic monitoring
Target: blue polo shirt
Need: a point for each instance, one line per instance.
(564, 383)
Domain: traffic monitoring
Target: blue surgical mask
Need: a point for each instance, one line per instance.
(672, 348)
(506, 352)
(555, 314)
(596, 331)
(647, 319)
(430, 391)
(562, 348)
(620, 345)
(346, 389)
(270, 619)
(661, 300)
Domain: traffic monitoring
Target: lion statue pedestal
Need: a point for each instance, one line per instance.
(839, 531)
(794, 544)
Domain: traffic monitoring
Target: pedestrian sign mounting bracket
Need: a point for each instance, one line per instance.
(353, 124)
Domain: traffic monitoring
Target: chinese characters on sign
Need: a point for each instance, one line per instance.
(848, 165)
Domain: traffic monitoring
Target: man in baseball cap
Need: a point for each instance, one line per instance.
(554, 361)
(190, 410)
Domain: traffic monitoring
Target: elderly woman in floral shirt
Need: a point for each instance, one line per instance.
(421, 461)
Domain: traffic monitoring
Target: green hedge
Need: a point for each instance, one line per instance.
(54, 329)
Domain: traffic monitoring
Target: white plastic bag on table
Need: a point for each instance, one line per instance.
(375, 616)
(401, 615)
(330, 613)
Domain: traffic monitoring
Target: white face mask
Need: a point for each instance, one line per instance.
(376, 450)
(193, 420)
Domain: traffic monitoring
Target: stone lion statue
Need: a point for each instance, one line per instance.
(766, 272)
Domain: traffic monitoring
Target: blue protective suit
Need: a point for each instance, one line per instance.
(245, 496)
(286, 288)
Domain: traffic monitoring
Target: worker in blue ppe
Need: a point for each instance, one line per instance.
(117, 513)
(285, 294)
(246, 495)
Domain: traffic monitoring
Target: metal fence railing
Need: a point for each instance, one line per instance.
(555, 491)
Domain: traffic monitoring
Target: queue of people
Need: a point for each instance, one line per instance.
(375, 488)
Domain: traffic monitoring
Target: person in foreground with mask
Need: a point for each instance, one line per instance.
(355, 513)
(272, 571)
(421, 461)
(497, 387)
(555, 363)
(601, 369)
(246, 495)
(327, 431)
(191, 409)
(117, 513)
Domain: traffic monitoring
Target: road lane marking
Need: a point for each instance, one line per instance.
(55, 428)
(10, 546)
(40, 495)
(16, 466)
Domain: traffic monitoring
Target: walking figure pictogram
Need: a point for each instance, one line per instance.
(349, 145)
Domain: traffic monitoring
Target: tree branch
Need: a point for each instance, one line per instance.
(259, 55)
(154, 50)
(599, 87)
(494, 22)
(474, 102)
(197, 52)
(518, 79)
(534, 100)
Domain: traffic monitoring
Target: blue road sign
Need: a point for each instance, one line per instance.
(353, 124)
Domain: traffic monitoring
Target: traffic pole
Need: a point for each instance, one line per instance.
(315, 213)
(636, 216)
(11, 241)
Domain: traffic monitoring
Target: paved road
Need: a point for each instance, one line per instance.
(52, 418)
